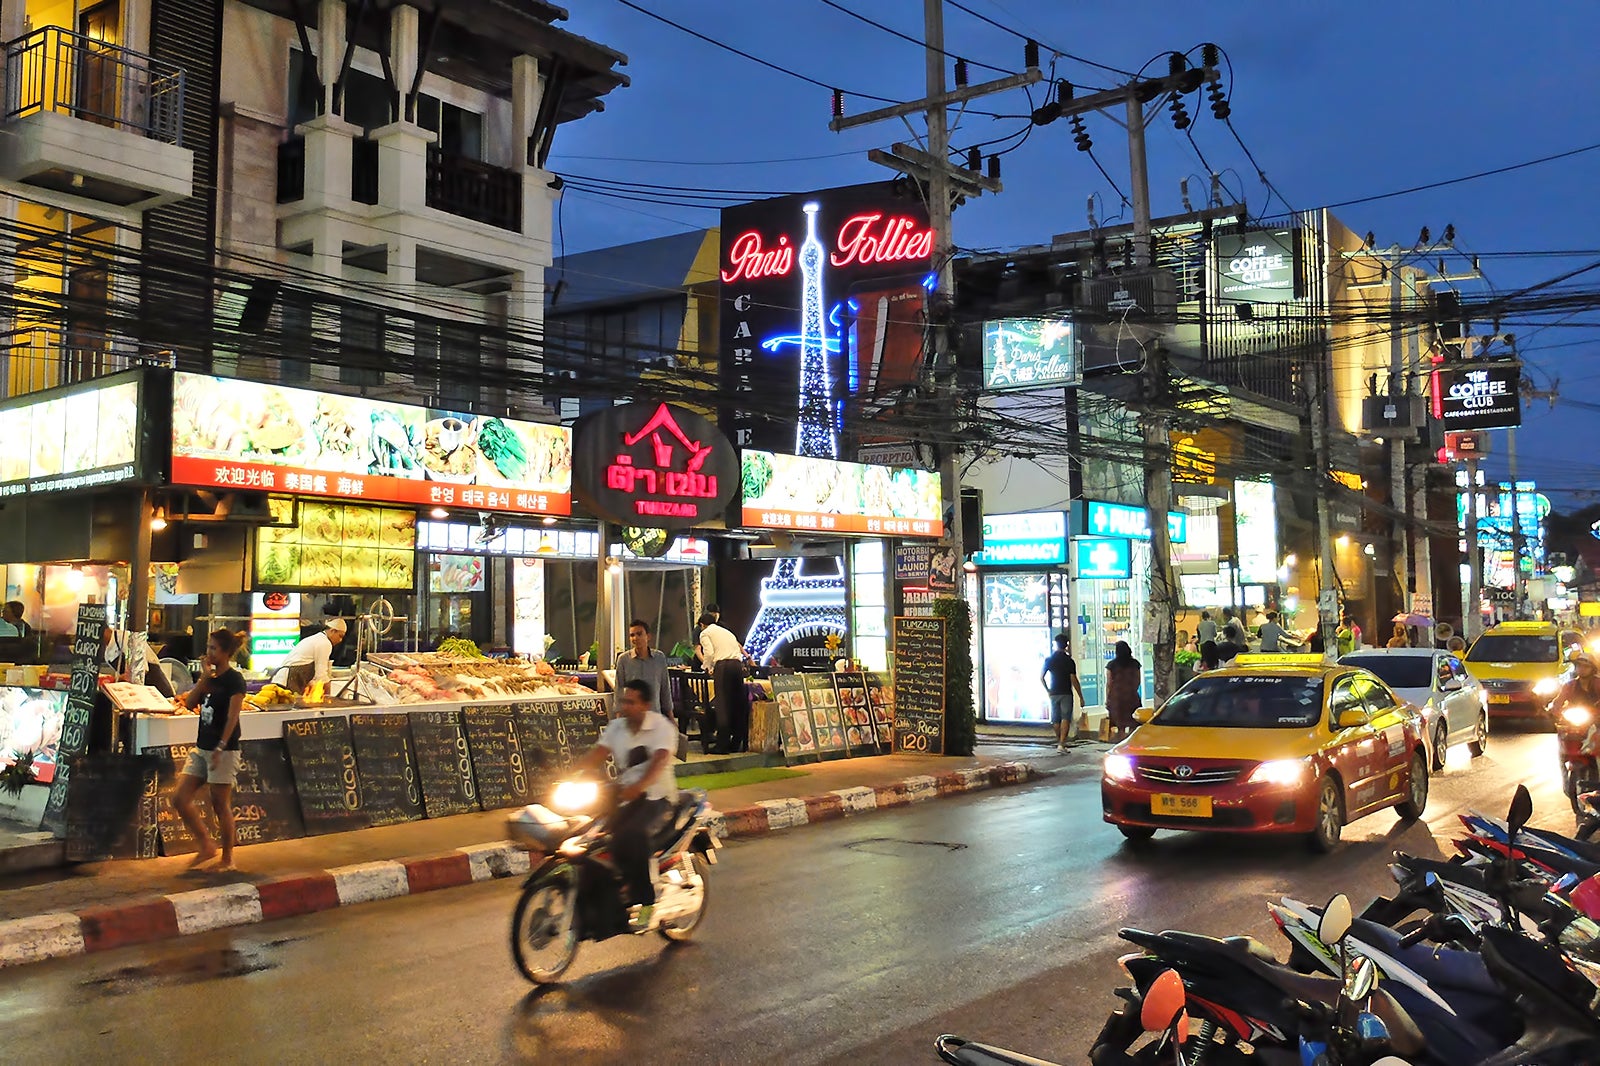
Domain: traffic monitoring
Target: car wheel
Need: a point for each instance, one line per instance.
(1478, 745)
(1330, 817)
(1138, 834)
(1416, 800)
(1441, 745)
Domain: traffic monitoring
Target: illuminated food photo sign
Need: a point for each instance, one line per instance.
(1027, 353)
(653, 466)
(1258, 267)
(821, 301)
(64, 440)
(795, 492)
(232, 434)
(337, 546)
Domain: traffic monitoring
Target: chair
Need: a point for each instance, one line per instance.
(695, 708)
(178, 674)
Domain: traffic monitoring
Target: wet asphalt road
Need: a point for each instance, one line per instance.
(992, 915)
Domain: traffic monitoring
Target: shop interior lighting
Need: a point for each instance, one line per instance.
(1343, 541)
(549, 520)
(439, 513)
(158, 521)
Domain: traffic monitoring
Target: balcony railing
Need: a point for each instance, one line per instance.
(466, 187)
(43, 357)
(54, 69)
(363, 170)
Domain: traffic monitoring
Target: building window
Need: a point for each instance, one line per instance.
(361, 346)
(297, 340)
(460, 131)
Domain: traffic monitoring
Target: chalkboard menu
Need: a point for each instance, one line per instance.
(539, 735)
(583, 719)
(111, 810)
(825, 716)
(919, 685)
(88, 645)
(390, 790)
(326, 778)
(498, 762)
(859, 734)
(444, 763)
(264, 804)
(880, 700)
(794, 717)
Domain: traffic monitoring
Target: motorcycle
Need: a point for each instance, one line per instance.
(574, 893)
(1580, 771)
(1162, 1015)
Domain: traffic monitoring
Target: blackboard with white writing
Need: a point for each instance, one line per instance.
(444, 763)
(88, 646)
(326, 778)
(919, 647)
(390, 789)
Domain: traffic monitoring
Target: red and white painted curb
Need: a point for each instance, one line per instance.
(50, 936)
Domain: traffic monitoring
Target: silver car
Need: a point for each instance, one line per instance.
(1452, 702)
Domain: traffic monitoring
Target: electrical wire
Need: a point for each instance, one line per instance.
(919, 42)
(1017, 33)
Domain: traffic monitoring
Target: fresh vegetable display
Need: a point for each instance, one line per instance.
(460, 646)
(499, 444)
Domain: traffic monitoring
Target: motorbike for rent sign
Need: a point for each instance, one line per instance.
(1480, 395)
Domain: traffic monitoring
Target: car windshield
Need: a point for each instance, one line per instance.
(1396, 671)
(1245, 701)
(1493, 648)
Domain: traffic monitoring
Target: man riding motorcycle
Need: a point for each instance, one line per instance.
(642, 743)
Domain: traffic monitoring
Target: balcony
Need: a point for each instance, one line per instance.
(465, 187)
(45, 356)
(95, 120)
(363, 170)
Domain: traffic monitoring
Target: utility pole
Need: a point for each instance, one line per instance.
(1518, 588)
(1472, 618)
(943, 180)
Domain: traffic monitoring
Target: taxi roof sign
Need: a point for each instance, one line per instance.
(1281, 659)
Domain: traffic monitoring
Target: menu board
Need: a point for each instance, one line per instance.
(241, 434)
(539, 734)
(88, 644)
(444, 763)
(919, 685)
(800, 492)
(327, 781)
(498, 763)
(860, 736)
(264, 804)
(880, 700)
(111, 811)
(390, 790)
(583, 719)
(80, 440)
(794, 716)
(825, 716)
(337, 546)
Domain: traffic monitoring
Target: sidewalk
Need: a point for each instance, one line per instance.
(96, 906)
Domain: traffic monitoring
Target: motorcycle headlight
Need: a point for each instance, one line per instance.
(1578, 717)
(1119, 767)
(1279, 772)
(1546, 686)
(575, 797)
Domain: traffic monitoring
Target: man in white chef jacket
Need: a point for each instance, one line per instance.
(312, 659)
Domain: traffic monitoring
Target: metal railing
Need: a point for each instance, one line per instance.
(54, 69)
(474, 190)
(43, 357)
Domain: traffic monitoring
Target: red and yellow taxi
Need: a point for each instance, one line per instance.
(1275, 744)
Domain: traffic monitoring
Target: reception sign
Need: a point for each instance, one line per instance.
(825, 496)
(245, 435)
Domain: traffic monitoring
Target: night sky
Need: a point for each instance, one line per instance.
(1335, 101)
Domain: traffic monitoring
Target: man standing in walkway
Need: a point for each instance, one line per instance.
(1233, 630)
(1272, 634)
(1060, 678)
(723, 658)
(641, 662)
(1207, 629)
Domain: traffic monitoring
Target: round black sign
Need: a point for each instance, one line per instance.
(653, 465)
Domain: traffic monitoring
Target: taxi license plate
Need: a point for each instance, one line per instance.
(1499, 697)
(1181, 806)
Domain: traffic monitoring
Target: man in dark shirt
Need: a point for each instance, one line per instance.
(1060, 679)
(214, 761)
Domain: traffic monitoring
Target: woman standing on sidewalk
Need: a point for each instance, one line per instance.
(214, 760)
(1123, 678)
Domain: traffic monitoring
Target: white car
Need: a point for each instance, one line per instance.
(1452, 702)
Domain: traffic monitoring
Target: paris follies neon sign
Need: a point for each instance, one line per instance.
(867, 238)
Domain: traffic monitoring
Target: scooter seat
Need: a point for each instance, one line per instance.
(1251, 946)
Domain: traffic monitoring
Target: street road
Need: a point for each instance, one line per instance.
(992, 915)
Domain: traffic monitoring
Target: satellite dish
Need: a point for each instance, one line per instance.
(1443, 631)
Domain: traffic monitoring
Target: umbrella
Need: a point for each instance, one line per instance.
(1420, 620)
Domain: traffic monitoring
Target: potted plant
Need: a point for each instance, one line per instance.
(1185, 662)
(18, 776)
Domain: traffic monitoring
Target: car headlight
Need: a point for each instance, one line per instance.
(575, 797)
(1279, 772)
(1119, 767)
(1577, 716)
(1546, 686)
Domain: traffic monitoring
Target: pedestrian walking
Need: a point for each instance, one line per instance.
(1207, 629)
(1233, 630)
(214, 760)
(1345, 636)
(1060, 679)
(1401, 638)
(1272, 634)
(1124, 680)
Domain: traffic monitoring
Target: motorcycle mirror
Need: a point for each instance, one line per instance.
(1361, 977)
(1336, 919)
(1163, 1003)
(1521, 810)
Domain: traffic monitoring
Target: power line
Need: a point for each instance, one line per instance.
(1464, 178)
(918, 41)
(1045, 44)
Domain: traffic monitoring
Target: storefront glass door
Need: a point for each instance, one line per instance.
(1022, 612)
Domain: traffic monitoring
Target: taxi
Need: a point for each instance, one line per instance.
(1274, 744)
(1520, 666)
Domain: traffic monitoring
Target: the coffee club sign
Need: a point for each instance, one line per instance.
(651, 465)
(1259, 266)
(1478, 395)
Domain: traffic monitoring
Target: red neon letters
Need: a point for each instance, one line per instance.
(864, 239)
(688, 485)
(749, 260)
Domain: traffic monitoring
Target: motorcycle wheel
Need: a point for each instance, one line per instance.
(544, 930)
(1330, 817)
(1569, 785)
(1477, 746)
(682, 928)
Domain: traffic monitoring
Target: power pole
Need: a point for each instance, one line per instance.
(943, 180)
(1472, 619)
(1518, 588)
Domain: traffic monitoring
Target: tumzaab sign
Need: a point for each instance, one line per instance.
(821, 303)
(653, 465)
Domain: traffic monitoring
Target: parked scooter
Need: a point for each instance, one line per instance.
(575, 894)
